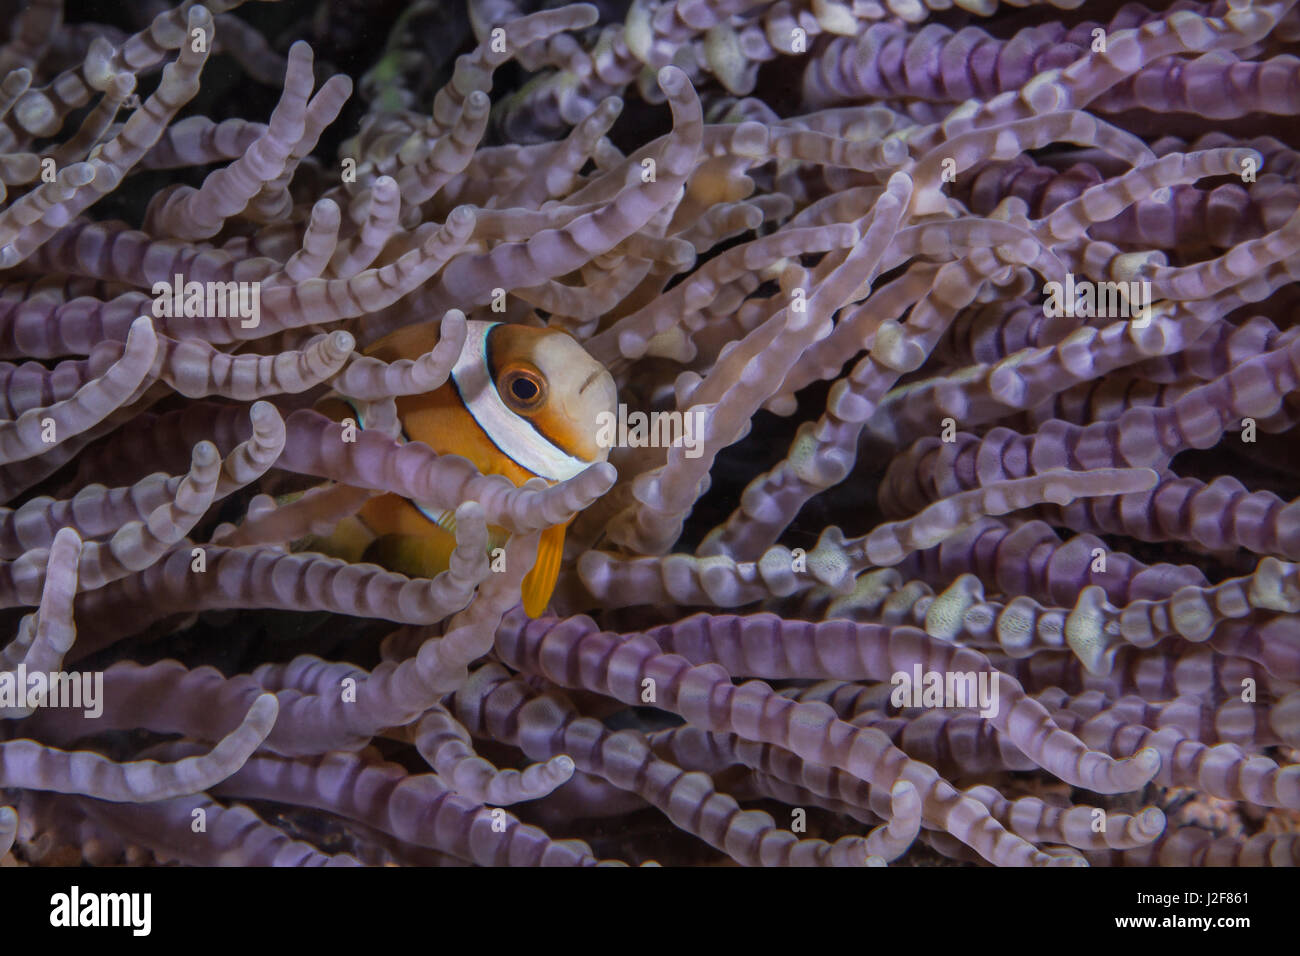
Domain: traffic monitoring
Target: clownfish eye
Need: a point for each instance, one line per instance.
(522, 389)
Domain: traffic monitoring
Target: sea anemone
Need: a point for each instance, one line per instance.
(967, 536)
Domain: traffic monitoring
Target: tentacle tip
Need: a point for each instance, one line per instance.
(1152, 821)
(584, 14)
(605, 471)
(672, 79)
(205, 453)
(468, 511)
(1147, 760)
(1144, 479)
(265, 709)
(66, 536)
(263, 413)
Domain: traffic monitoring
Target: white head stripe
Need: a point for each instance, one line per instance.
(513, 435)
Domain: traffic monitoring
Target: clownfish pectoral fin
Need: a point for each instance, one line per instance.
(349, 540)
(415, 556)
(444, 518)
(540, 581)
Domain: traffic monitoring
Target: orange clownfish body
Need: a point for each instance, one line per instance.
(521, 402)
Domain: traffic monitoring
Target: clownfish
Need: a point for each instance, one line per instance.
(520, 402)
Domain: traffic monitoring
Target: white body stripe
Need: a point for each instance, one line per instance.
(512, 434)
